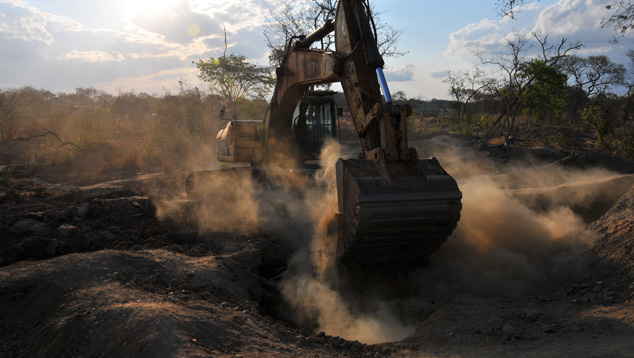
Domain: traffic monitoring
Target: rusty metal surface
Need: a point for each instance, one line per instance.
(394, 213)
(299, 70)
(357, 79)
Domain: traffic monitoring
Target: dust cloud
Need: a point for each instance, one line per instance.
(233, 207)
(508, 242)
(311, 283)
(505, 245)
(521, 227)
(503, 248)
(317, 304)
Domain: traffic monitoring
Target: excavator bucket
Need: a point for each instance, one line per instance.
(392, 205)
(399, 211)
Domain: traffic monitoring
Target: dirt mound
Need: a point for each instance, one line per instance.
(615, 231)
(596, 159)
(153, 303)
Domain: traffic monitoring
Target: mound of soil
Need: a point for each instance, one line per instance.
(615, 230)
(597, 159)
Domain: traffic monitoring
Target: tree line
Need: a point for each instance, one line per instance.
(556, 87)
(131, 130)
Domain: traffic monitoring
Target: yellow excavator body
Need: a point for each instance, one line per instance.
(392, 205)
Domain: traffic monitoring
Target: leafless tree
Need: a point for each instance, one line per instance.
(510, 64)
(465, 85)
(592, 76)
(509, 7)
(293, 19)
(629, 84)
(10, 102)
(622, 18)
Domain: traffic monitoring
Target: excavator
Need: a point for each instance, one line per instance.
(392, 206)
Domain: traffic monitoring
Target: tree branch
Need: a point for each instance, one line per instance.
(61, 142)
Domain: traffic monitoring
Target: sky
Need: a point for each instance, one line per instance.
(148, 45)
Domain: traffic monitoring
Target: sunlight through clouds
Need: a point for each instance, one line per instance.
(66, 44)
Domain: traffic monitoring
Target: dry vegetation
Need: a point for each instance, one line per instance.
(97, 135)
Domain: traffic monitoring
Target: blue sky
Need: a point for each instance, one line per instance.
(148, 45)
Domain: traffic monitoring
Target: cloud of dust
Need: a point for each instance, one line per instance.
(309, 286)
(227, 202)
(302, 211)
(502, 248)
(315, 302)
(504, 244)
(233, 207)
(519, 231)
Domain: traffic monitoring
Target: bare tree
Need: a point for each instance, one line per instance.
(508, 65)
(622, 18)
(629, 84)
(509, 7)
(594, 74)
(591, 77)
(464, 85)
(10, 102)
(512, 67)
(294, 19)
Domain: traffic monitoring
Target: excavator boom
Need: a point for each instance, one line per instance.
(393, 206)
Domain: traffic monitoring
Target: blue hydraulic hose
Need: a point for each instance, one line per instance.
(383, 82)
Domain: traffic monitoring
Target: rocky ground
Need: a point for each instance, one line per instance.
(102, 271)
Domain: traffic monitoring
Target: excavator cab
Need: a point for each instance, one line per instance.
(314, 121)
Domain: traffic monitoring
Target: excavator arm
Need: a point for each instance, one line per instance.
(393, 206)
(301, 68)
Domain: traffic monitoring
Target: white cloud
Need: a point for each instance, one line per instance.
(568, 17)
(400, 73)
(580, 20)
(474, 38)
(32, 28)
(181, 25)
(94, 56)
(439, 74)
(574, 20)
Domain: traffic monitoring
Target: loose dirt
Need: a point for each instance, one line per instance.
(91, 271)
